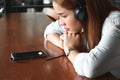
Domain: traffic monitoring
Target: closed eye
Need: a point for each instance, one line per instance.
(62, 15)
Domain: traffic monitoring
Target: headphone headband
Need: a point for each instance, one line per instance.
(81, 2)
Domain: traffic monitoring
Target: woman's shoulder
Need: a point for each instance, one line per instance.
(114, 13)
(54, 27)
(115, 18)
(112, 23)
(56, 23)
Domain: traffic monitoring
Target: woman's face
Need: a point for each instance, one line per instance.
(67, 19)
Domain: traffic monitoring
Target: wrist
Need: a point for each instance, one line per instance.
(67, 52)
(72, 55)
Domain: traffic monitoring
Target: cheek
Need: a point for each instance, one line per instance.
(74, 24)
(71, 22)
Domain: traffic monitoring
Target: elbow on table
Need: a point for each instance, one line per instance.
(89, 71)
(92, 72)
(90, 75)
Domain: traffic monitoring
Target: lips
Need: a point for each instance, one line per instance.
(67, 29)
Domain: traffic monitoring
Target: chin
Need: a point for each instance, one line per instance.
(75, 32)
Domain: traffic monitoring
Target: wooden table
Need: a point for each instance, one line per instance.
(21, 32)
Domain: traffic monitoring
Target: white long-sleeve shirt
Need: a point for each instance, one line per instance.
(105, 57)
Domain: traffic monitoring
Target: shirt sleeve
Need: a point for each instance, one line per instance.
(53, 27)
(106, 55)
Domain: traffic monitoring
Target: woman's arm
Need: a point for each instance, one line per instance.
(55, 39)
(73, 44)
(53, 32)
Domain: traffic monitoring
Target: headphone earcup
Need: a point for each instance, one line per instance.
(80, 13)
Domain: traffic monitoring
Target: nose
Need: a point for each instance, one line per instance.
(61, 22)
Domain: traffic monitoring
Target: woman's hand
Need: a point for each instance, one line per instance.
(72, 41)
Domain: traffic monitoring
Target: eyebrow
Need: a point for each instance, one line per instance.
(61, 13)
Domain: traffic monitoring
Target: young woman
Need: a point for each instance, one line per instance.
(89, 33)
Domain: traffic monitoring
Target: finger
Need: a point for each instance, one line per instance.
(62, 37)
(70, 33)
(66, 33)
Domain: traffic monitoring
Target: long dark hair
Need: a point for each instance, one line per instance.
(97, 11)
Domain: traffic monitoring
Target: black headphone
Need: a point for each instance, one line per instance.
(80, 10)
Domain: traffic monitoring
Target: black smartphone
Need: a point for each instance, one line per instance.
(28, 55)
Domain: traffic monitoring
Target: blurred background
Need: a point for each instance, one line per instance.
(7, 6)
